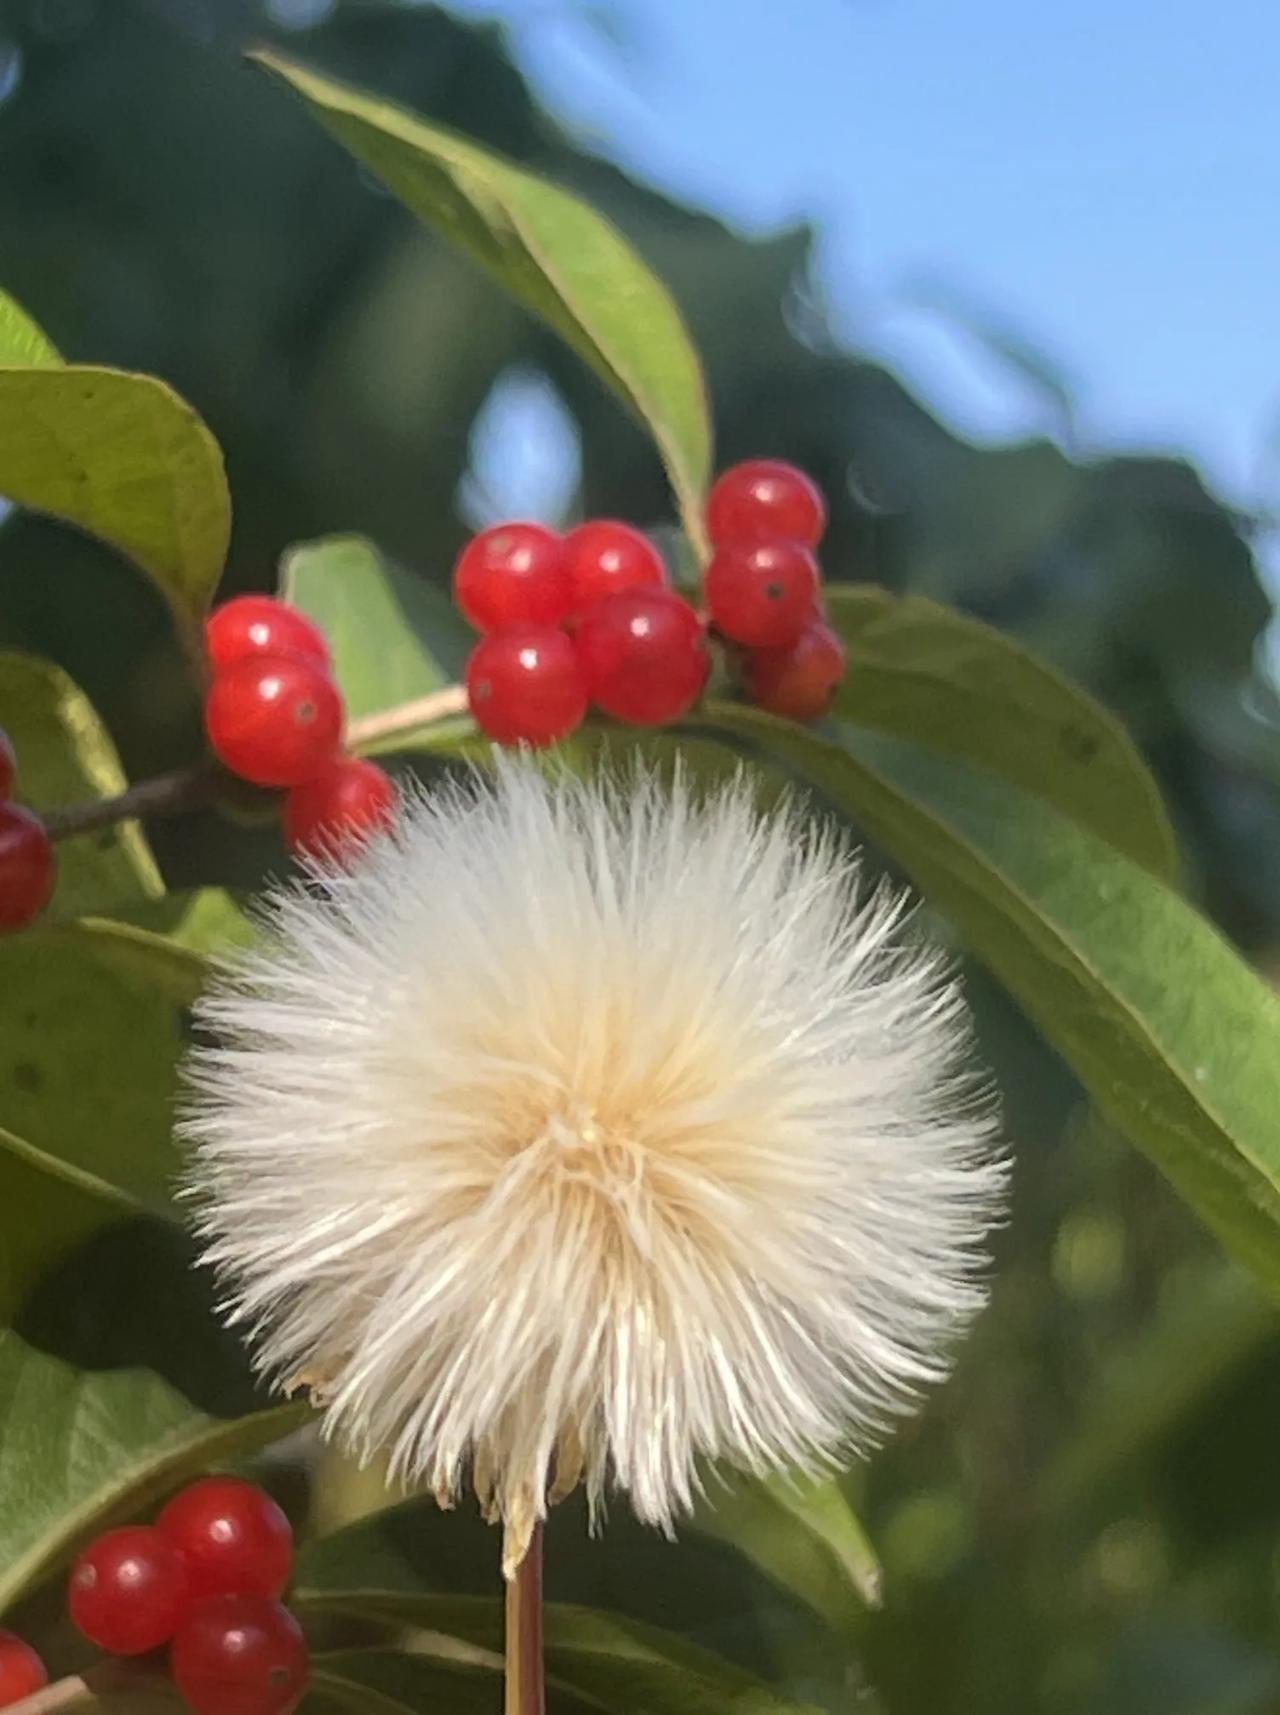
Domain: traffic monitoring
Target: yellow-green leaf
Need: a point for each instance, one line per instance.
(549, 250)
(928, 673)
(21, 340)
(122, 457)
(66, 757)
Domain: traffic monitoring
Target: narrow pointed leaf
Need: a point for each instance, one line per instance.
(925, 672)
(1175, 1038)
(21, 340)
(547, 248)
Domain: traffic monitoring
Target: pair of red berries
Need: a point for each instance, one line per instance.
(206, 1579)
(570, 621)
(590, 618)
(27, 869)
(274, 716)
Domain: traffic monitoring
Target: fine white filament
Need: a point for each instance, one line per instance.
(584, 1131)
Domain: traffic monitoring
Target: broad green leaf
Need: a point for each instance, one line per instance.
(122, 457)
(47, 1207)
(203, 920)
(1204, 1334)
(395, 638)
(65, 757)
(93, 1018)
(21, 341)
(1175, 1038)
(736, 1601)
(115, 1384)
(396, 1682)
(549, 250)
(932, 675)
(806, 1536)
(603, 1661)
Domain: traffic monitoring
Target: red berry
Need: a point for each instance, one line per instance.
(261, 625)
(604, 556)
(21, 1670)
(800, 680)
(274, 719)
(240, 1655)
(129, 1591)
(8, 765)
(513, 574)
(27, 868)
(762, 594)
(644, 653)
(332, 815)
(232, 1535)
(526, 686)
(765, 500)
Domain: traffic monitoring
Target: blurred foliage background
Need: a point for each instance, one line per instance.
(1087, 1518)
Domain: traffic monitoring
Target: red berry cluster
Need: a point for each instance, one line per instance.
(26, 853)
(765, 519)
(590, 618)
(274, 717)
(573, 620)
(205, 1579)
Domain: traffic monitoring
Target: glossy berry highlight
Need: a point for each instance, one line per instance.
(526, 686)
(800, 681)
(765, 500)
(274, 720)
(604, 556)
(233, 1537)
(644, 656)
(27, 867)
(261, 625)
(8, 765)
(129, 1591)
(762, 594)
(513, 575)
(331, 816)
(21, 1670)
(240, 1655)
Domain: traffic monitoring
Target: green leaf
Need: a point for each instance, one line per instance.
(603, 1661)
(1175, 1038)
(122, 457)
(115, 1384)
(395, 637)
(548, 249)
(397, 1682)
(93, 1018)
(47, 1207)
(749, 1605)
(806, 1536)
(66, 757)
(202, 920)
(927, 673)
(21, 341)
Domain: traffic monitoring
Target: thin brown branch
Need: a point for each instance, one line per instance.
(526, 1686)
(60, 1695)
(164, 795)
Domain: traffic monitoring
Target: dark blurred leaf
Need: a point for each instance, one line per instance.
(21, 341)
(551, 251)
(396, 1682)
(115, 1384)
(92, 1021)
(66, 757)
(1175, 1038)
(394, 637)
(122, 457)
(47, 1206)
(928, 673)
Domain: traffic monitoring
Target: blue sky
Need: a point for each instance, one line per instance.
(1102, 176)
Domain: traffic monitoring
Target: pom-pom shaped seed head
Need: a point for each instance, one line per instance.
(585, 1130)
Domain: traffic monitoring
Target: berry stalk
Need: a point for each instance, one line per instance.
(62, 1694)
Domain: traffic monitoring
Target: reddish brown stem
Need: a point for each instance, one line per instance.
(526, 1687)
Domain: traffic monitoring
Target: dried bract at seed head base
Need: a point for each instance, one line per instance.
(585, 1130)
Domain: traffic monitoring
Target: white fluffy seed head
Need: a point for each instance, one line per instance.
(584, 1131)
